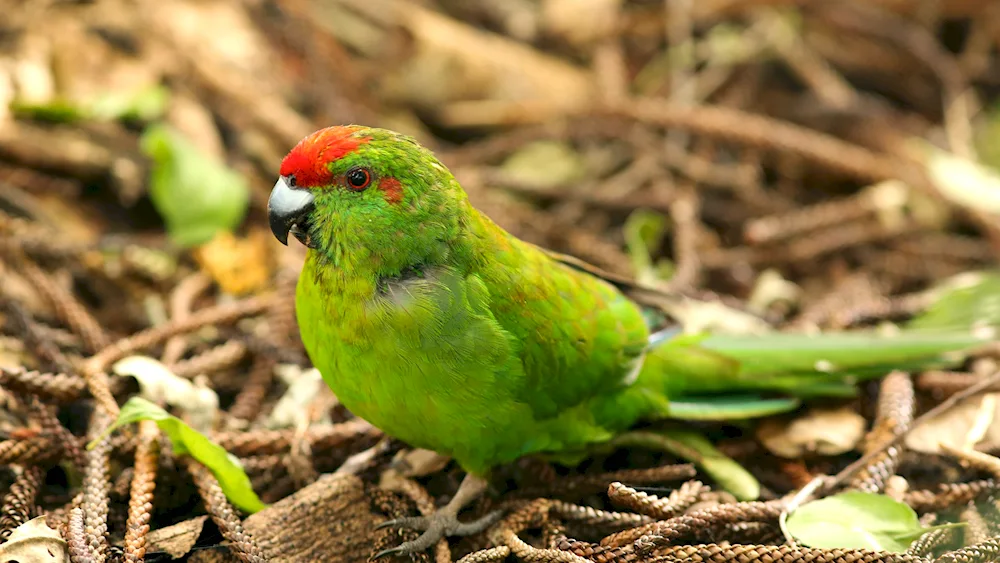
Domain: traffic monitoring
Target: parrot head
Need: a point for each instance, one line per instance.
(360, 193)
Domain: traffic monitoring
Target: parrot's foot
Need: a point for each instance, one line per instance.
(434, 527)
(443, 523)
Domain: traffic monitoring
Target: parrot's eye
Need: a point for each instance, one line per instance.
(358, 178)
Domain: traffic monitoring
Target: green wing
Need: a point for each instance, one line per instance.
(504, 360)
(578, 337)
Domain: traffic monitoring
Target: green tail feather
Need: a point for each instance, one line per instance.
(709, 377)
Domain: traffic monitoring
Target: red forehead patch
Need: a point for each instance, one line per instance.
(308, 160)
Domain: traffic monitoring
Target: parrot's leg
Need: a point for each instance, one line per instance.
(444, 522)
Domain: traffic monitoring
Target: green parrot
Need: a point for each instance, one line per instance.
(437, 326)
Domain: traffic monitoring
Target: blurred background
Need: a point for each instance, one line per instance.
(789, 152)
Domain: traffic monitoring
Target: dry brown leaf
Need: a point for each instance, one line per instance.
(239, 265)
(34, 542)
(177, 540)
(698, 316)
(545, 164)
(770, 288)
(7, 92)
(13, 355)
(819, 431)
(973, 420)
(419, 462)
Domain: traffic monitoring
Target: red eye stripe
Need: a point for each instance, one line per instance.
(392, 190)
(309, 160)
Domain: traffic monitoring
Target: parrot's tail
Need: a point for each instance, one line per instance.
(680, 379)
(746, 376)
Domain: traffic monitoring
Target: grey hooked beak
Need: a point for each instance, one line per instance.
(288, 210)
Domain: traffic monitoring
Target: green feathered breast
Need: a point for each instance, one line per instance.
(497, 354)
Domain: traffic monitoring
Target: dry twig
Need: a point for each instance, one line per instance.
(140, 506)
(223, 514)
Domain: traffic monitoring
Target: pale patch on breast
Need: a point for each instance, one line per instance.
(399, 289)
(633, 373)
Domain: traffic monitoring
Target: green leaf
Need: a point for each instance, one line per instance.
(197, 195)
(962, 181)
(545, 164)
(856, 520)
(965, 301)
(987, 136)
(697, 449)
(186, 440)
(145, 104)
(728, 474)
(53, 111)
(643, 230)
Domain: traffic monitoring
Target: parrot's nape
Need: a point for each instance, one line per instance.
(440, 328)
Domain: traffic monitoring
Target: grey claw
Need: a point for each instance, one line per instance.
(426, 539)
(412, 522)
(387, 552)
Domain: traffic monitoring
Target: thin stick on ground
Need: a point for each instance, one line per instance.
(58, 387)
(140, 506)
(894, 415)
(46, 415)
(247, 404)
(96, 485)
(69, 309)
(19, 502)
(94, 369)
(223, 514)
(220, 314)
(944, 406)
(79, 549)
(660, 508)
(181, 300)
